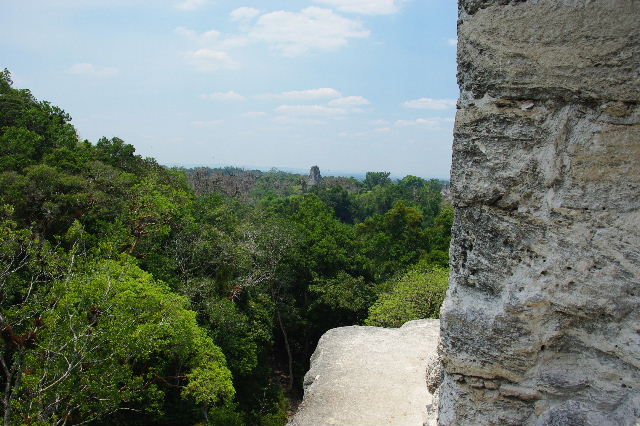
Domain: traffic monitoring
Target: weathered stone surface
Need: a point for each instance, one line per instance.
(315, 178)
(370, 376)
(541, 325)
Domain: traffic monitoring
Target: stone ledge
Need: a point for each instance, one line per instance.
(370, 376)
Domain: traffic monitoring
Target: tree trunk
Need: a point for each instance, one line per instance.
(205, 412)
(287, 347)
(6, 400)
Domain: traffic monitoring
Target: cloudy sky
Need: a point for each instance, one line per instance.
(349, 85)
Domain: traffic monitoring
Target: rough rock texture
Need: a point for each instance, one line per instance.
(541, 325)
(315, 178)
(370, 376)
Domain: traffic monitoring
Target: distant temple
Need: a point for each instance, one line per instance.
(315, 178)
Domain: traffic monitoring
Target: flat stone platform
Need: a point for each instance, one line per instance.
(370, 376)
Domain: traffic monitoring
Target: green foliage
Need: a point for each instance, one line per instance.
(18, 146)
(340, 201)
(440, 238)
(188, 296)
(28, 264)
(150, 211)
(277, 417)
(233, 331)
(5, 81)
(373, 179)
(344, 291)
(112, 339)
(394, 241)
(20, 110)
(226, 415)
(326, 242)
(417, 294)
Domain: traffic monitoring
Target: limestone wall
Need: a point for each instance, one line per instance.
(541, 325)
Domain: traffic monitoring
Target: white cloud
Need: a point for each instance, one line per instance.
(92, 70)
(429, 103)
(289, 33)
(311, 94)
(302, 95)
(315, 110)
(190, 4)
(349, 101)
(431, 122)
(205, 38)
(452, 41)
(337, 108)
(366, 7)
(224, 96)
(211, 39)
(244, 14)
(313, 28)
(207, 60)
(212, 53)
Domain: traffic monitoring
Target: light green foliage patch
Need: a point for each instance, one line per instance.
(417, 294)
(113, 338)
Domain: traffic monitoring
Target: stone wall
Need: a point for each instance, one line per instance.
(541, 325)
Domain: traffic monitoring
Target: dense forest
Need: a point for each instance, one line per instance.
(136, 294)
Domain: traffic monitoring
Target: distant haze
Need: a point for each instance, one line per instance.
(358, 174)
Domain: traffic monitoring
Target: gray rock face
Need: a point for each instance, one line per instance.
(315, 178)
(541, 325)
(370, 376)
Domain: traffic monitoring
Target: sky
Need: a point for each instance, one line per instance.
(348, 85)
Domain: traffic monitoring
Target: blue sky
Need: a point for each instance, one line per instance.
(349, 85)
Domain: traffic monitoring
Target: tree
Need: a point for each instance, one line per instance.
(119, 154)
(338, 199)
(27, 266)
(5, 81)
(393, 241)
(341, 300)
(269, 244)
(376, 178)
(423, 194)
(111, 338)
(19, 109)
(439, 236)
(417, 294)
(152, 207)
(18, 147)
